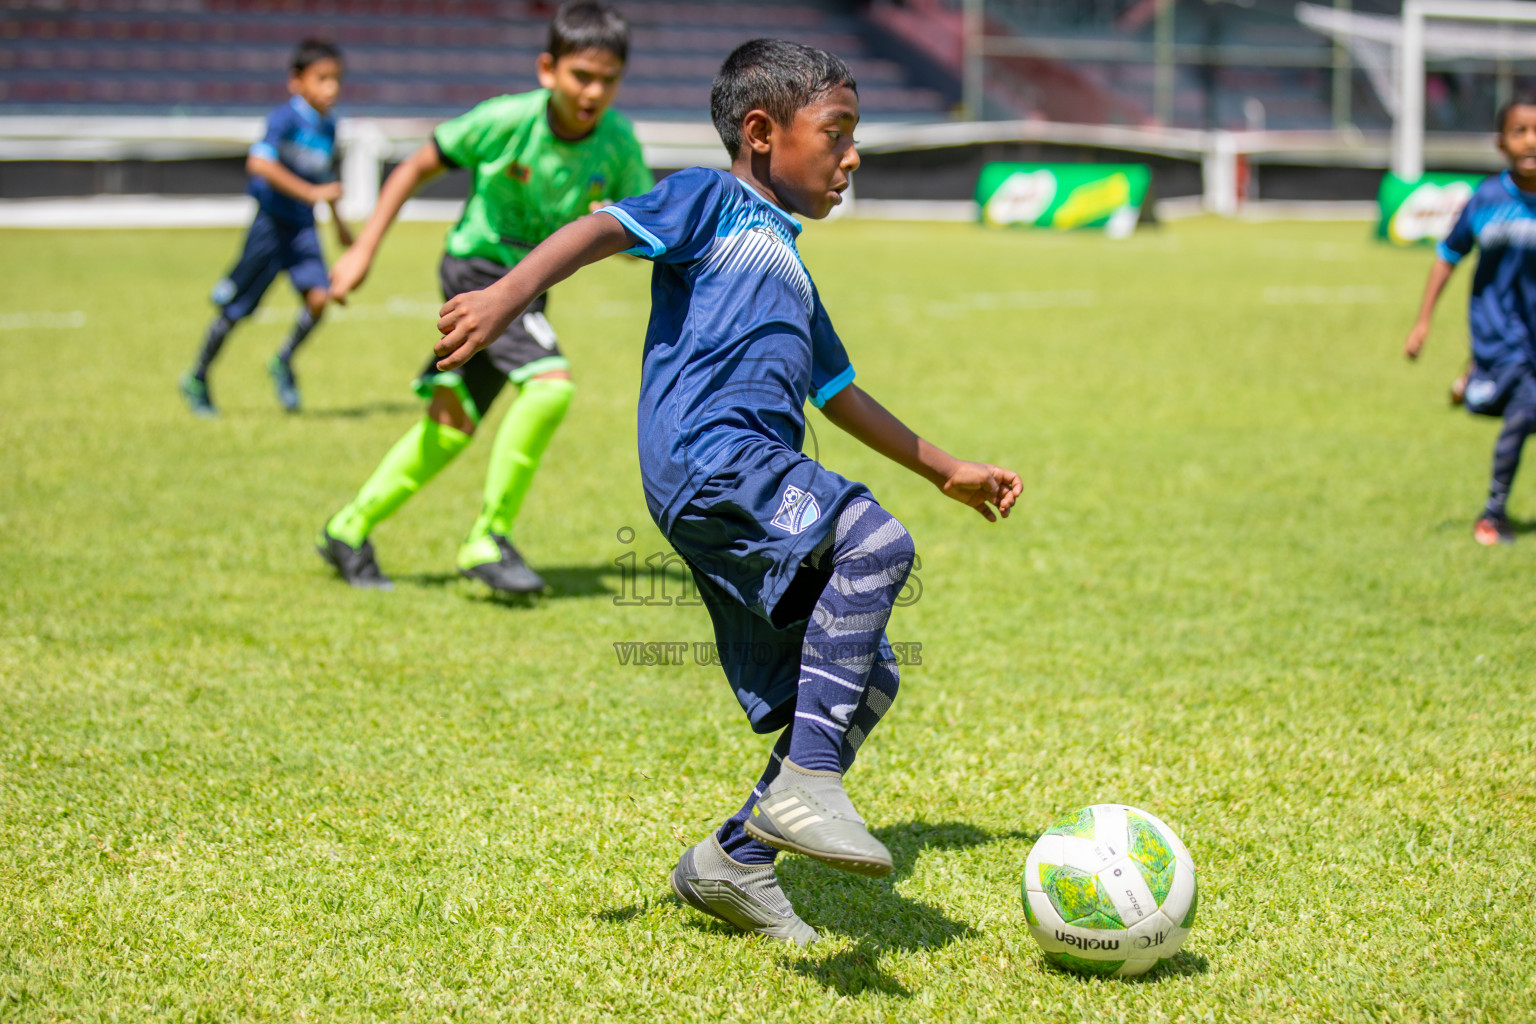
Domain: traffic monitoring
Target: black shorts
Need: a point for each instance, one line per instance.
(527, 348)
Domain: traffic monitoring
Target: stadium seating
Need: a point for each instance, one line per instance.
(416, 57)
(1281, 92)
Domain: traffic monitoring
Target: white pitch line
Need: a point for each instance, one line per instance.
(41, 321)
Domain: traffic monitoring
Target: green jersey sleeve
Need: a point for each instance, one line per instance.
(481, 133)
(634, 178)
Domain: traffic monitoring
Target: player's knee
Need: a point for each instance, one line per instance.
(1525, 421)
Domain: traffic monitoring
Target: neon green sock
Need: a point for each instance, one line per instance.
(520, 444)
(416, 458)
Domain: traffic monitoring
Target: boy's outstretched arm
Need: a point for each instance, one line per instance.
(472, 320)
(976, 484)
(352, 267)
(1439, 274)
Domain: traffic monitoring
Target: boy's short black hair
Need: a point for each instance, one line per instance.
(1525, 97)
(775, 76)
(313, 51)
(585, 25)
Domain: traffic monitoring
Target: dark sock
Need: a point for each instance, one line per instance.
(213, 340)
(301, 328)
(884, 680)
(879, 695)
(871, 556)
(732, 835)
(1518, 425)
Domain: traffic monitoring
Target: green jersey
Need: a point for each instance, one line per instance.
(529, 182)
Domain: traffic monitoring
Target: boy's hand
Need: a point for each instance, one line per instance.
(1416, 338)
(468, 323)
(979, 483)
(349, 272)
(329, 192)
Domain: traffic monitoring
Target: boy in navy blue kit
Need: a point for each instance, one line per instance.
(292, 168)
(789, 557)
(1500, 219)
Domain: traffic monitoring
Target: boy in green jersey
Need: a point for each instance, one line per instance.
(540, 160)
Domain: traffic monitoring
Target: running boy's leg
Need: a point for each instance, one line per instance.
(305, 264)
(529, 354)
(432, 443)
(805, 808)
(237, 296)
(521, 440)
(1493, 525)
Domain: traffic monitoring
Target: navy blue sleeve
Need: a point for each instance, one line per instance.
(269, 145)
(1461, 239)
(831, 370)
(675, 221)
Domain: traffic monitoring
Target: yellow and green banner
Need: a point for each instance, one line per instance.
(1064, 196)
(1422, 212)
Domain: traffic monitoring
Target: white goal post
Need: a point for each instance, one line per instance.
(1408, 137)
(1392, 51)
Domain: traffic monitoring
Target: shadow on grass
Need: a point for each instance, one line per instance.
(564, 581)
(358, 412)
(870, 912)
(1182, 964)
(873, 914)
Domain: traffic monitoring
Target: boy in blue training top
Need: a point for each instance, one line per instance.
(1500, 219)
(789, 557)
(292, 168)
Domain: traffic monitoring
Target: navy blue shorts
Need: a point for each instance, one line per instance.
(271, 246)
(1501, 392)
(754, 536)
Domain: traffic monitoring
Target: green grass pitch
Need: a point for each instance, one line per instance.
(1240, 592)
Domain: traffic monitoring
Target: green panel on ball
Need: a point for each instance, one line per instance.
(1079, 824)
(1029, 911)
(1082, 966)
(1194, 901)
(1152, 854)
(1076, 897)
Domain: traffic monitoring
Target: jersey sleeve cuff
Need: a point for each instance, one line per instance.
(443, 158)
(1448, 254)
(263, 151)
(822, 395)
(650, 246)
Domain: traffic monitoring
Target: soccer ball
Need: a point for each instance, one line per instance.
(1109, 890)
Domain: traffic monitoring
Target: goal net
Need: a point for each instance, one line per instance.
(1489, 40)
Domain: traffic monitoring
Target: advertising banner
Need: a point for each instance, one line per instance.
(1063, 196)
(1422, 212)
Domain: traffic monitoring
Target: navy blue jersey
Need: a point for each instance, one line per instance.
(302, 140)
(1500, 220)
(738, 337)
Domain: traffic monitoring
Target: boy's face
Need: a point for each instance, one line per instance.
(319, 85)
(1518, 141)
(811, 162)
(581, 86)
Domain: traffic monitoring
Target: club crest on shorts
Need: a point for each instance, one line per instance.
(797, 511)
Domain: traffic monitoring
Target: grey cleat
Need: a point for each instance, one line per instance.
(509, 574)
(807, 812)
(745, 896)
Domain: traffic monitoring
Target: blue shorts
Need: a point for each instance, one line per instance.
(1501, 391)
(753, 536)
(271, 245)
